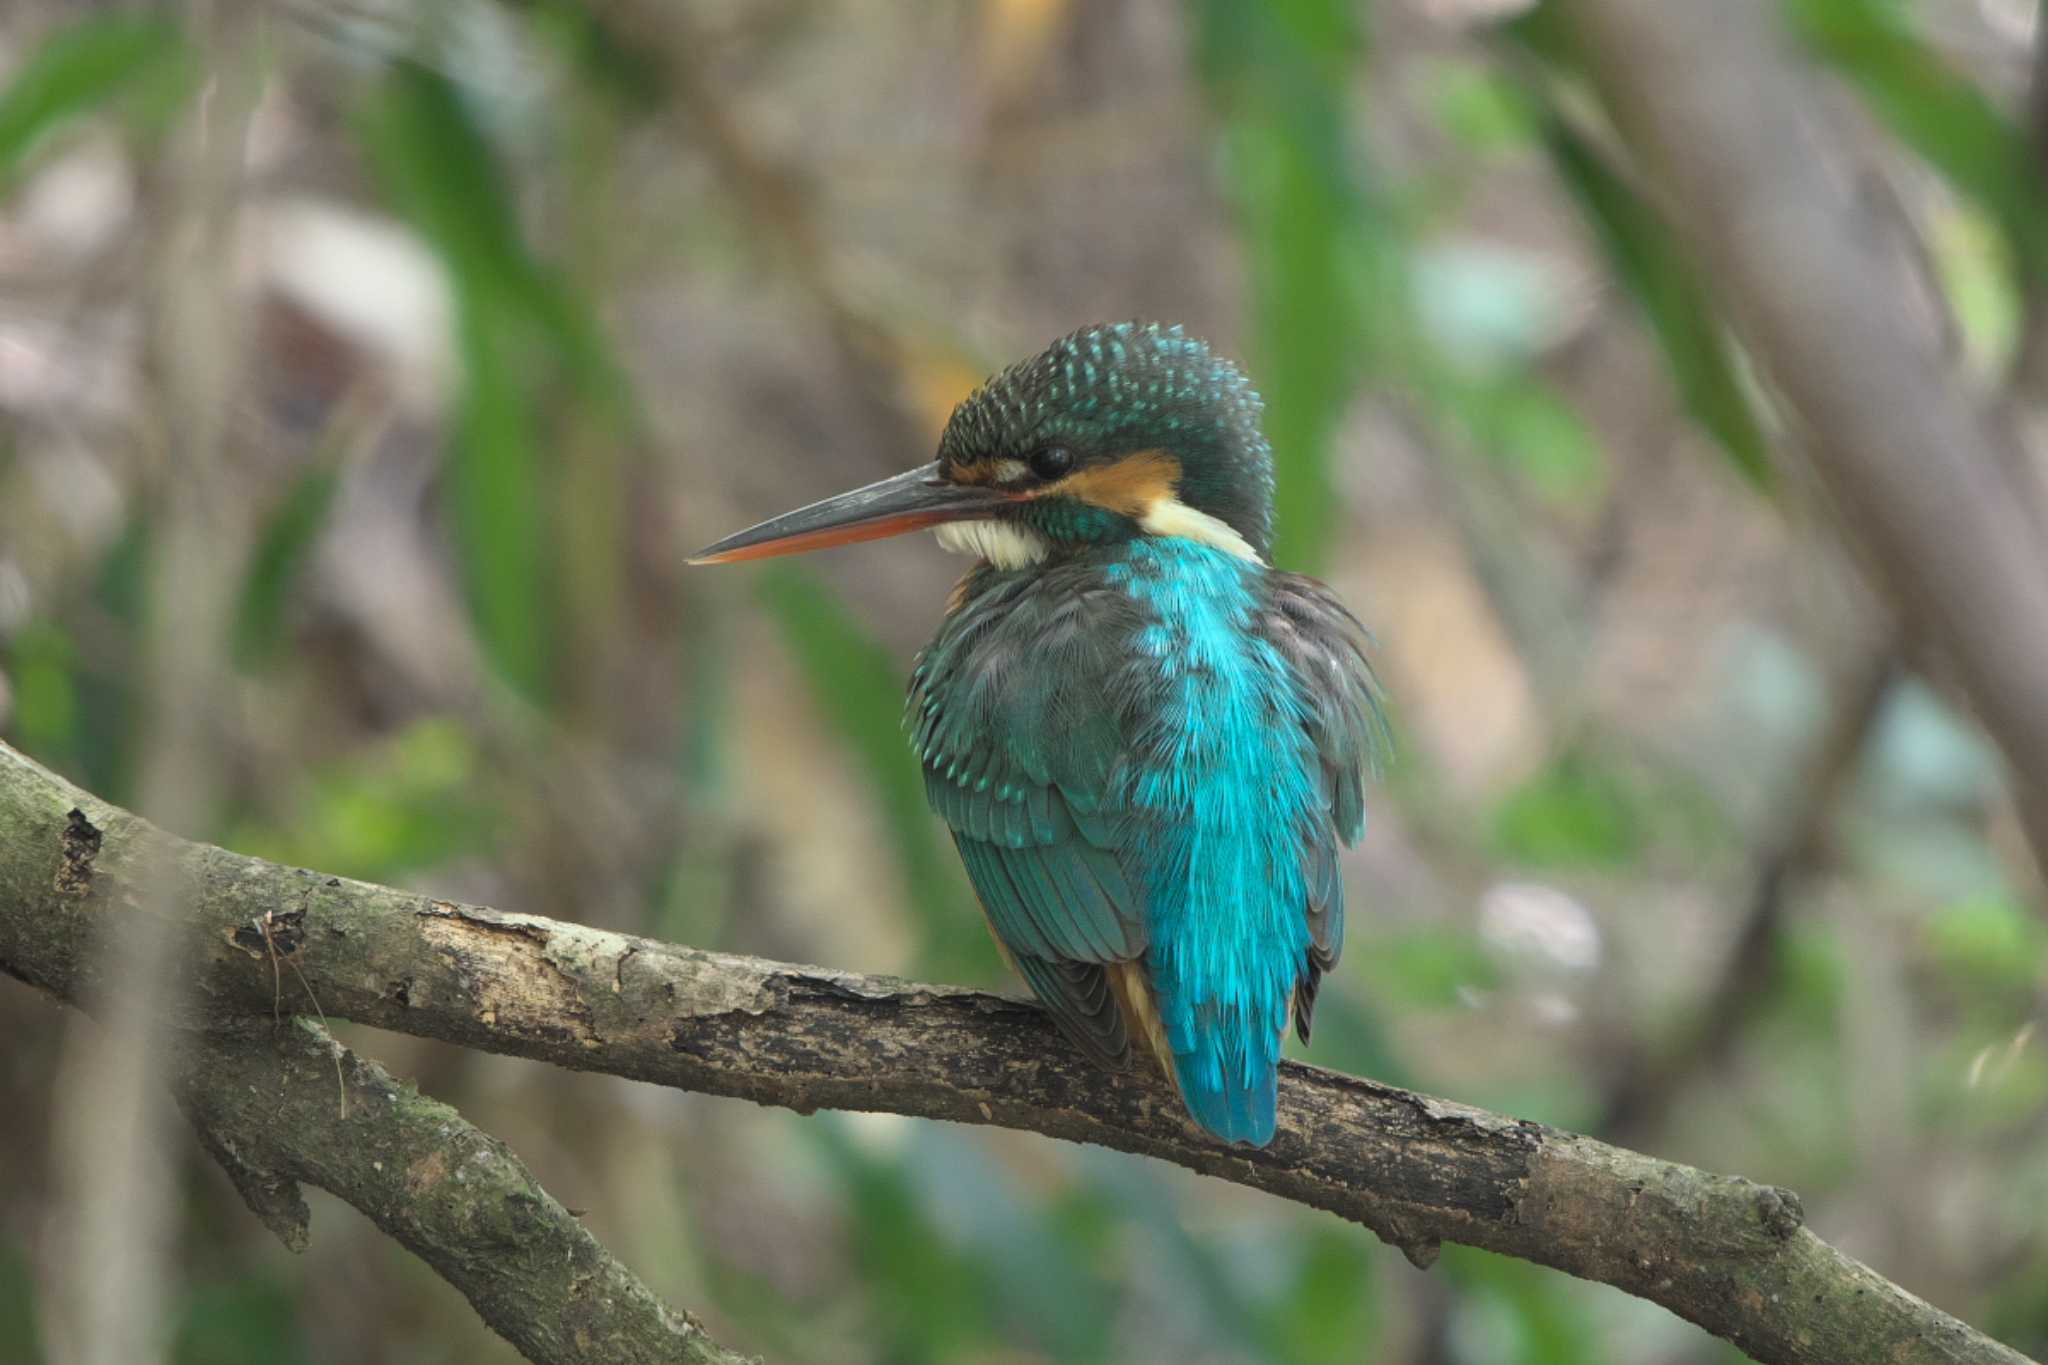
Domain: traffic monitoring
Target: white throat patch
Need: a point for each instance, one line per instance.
(1007, 545)
(1172, 517)
(1003, 544)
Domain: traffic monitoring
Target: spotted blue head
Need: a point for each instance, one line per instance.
(1111, 432)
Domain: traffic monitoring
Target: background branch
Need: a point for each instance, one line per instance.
(1726, 1253)
(1711, 100)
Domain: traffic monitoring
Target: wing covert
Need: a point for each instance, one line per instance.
(1326, 653)
(1014, 716)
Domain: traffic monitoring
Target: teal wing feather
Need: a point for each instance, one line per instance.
(1011, 715)
(1326, 652)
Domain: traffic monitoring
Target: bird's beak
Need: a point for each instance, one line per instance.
(907, 502)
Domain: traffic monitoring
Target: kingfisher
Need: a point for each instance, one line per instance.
(1150, 746)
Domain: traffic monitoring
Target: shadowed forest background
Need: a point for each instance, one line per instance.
(368, 369)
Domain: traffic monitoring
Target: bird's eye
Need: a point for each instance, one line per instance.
(1052, 461)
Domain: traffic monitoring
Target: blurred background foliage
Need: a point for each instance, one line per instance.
(525, 301)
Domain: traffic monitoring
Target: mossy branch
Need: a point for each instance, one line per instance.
(264, 1101)
(1723, 1252)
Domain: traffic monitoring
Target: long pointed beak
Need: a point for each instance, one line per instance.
(907, 502)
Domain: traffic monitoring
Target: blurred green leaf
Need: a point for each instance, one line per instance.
(2018, 1311)
(1522, 422)
(1934, 110)
(1976, 263)
(500, 503)
(1576, 813)
(245, 1322)
(1328, 1313)
(1478, 107)
(1514, 1313)
(76, 71)
(1812, 978)
(513, 315)
(20, 1340)
(691, 892)
(930, 1301)
(435, 164)
(1043, 1285)
(859, 688)
(1210, 1303)
(1319, 249)
(630, 71)
(1353, 1036)
(408, 803)
(1989, 944)
(275, 564)
(40, 660)
(74, 709)
(1647, 258)
(1427, 968)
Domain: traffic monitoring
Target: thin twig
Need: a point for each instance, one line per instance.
(1646, 1084)
(264, 923)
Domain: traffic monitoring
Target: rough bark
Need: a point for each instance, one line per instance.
(1723, 1252)
(279, 1105)
(278, 1102)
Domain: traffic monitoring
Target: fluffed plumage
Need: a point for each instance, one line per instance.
(1152, 752)
(1150, 747)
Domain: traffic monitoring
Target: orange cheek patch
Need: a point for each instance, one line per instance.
(1131, 487)
(982, 472)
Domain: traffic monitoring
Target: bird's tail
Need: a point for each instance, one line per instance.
(1228, 1081)
(1230, 1086)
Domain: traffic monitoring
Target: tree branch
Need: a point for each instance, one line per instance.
(279, 1104)
(1709, 95)
(1723, 1252)
(265, 1103)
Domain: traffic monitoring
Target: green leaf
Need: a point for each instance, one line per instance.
(518, 324)
(1328, 1313)
(410, 802)
(1317, 244)
(20, 1339)
(858, 686)
(1810, 979)
(252, 1321)
(1478, 107)
(76, 709)
(1576, 813)
(1989, 944)
(1646, 257)
(1978, 271)
(1427, 968)
(1515, 1313)
(1522, 422)
(931, 1302)
(275, 566)
(42, 661)
(435, 164)
(77, 71)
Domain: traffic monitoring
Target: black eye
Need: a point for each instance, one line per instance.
(1052, 461)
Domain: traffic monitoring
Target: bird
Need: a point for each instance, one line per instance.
(1150, 746)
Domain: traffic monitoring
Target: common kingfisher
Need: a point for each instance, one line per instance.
(1149, 745)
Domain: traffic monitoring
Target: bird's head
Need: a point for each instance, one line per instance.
(1111, 432)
